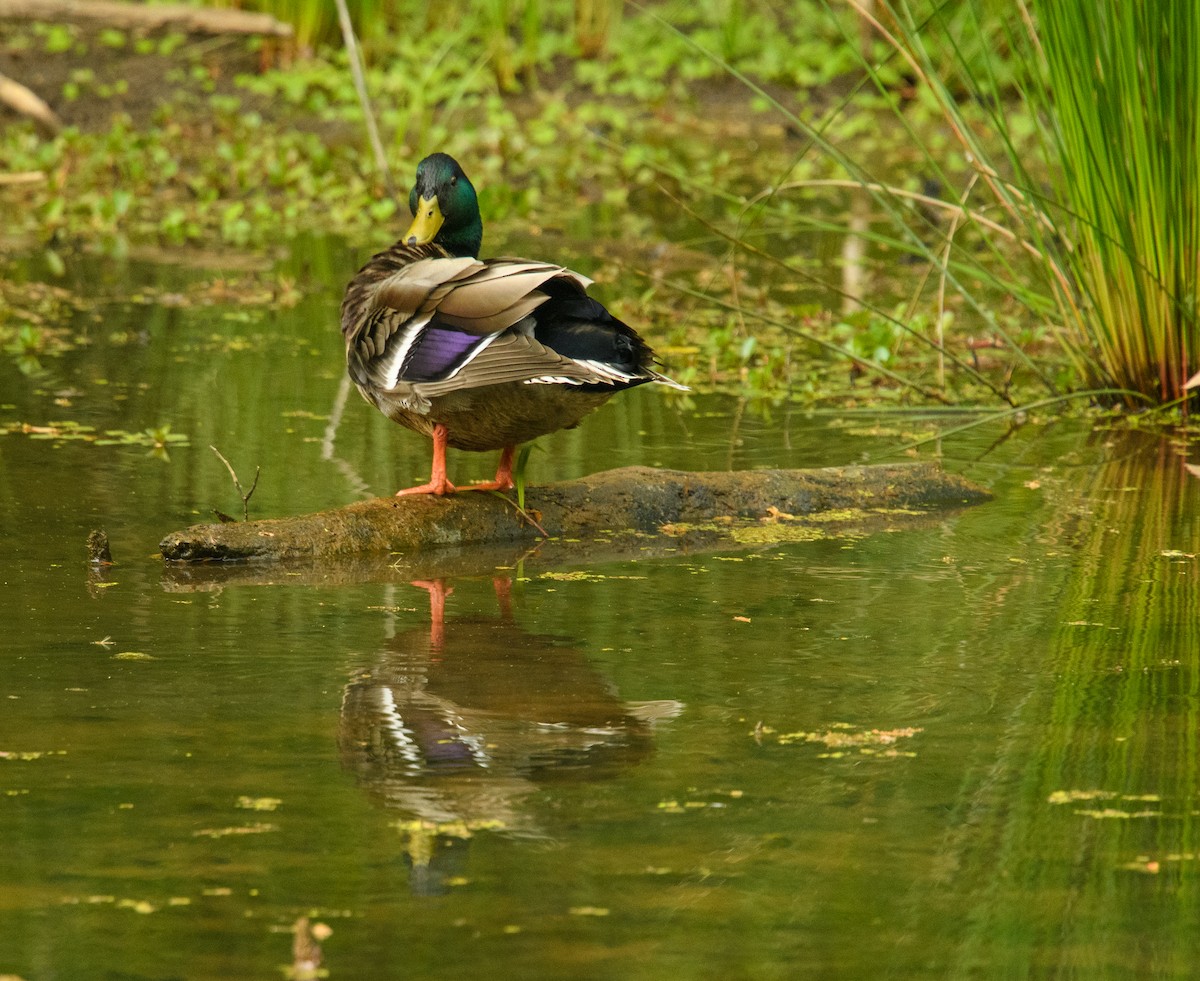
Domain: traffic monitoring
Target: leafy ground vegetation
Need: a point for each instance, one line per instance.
(790, 194)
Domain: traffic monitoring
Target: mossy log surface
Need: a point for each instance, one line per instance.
(733, 507)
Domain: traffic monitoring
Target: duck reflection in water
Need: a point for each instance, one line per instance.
(458, 724)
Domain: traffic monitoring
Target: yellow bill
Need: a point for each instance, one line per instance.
(426, 223)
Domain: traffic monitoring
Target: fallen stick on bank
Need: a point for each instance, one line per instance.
(28, 103)
(142, 16)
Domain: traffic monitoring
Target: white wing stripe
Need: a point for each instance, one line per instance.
(400, 348)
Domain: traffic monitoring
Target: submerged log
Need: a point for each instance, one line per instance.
(634, 501)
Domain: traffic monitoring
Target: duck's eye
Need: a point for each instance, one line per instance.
(453, 180)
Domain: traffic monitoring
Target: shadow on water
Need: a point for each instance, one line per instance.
(456, 724)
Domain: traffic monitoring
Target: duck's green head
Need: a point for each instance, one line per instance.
(445, 208)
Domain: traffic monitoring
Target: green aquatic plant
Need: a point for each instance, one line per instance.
(156, 438)
(1064, 174)
(1124, 87)
(520, 472)
(1014, 172)
(1092, 177)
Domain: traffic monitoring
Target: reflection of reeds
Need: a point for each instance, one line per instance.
(1098, 774)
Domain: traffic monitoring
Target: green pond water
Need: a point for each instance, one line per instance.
(967, 749)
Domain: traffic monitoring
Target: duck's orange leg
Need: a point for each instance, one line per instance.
(504, 477)
(438, 482)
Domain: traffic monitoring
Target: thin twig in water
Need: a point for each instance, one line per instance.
(246, 495)
(525, 515)
(1096, 393)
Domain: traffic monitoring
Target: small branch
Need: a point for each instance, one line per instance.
(246, 495)
(22, 177)
(28, 103)
(520, 509)
(200, 20)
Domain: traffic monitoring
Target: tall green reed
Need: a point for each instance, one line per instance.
(1124, 113)
(1060, 141)
(1075, 145)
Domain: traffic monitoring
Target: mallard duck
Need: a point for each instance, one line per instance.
(479, 354)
